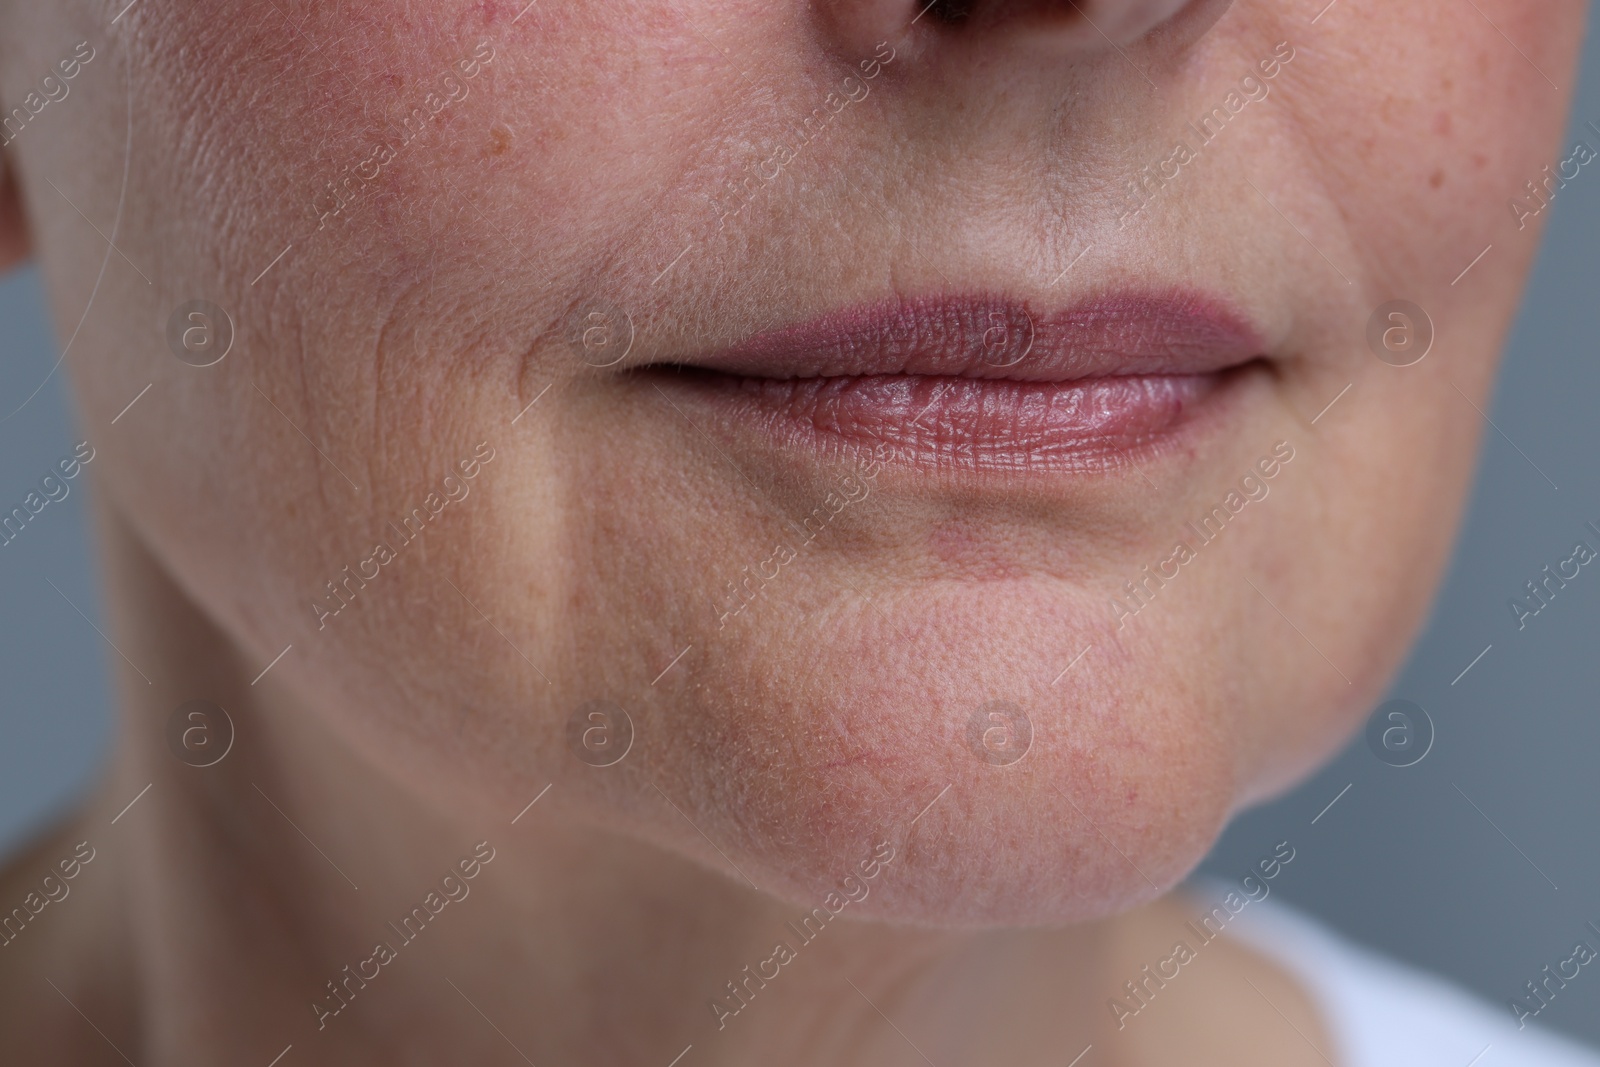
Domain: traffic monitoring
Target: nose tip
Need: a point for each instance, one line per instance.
(1065, 26)
(1118, 22)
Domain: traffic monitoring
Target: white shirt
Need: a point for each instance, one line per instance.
(1381, 1013)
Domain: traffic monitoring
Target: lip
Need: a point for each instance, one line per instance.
(984, 383)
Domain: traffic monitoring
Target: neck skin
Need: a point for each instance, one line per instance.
(220, 905)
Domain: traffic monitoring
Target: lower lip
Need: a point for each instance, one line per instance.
(974, 424)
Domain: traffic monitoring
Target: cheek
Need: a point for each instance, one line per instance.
(1422, 136)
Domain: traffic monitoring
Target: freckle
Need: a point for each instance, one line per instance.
(1436, 179)
(1441, 125)
(499, 139)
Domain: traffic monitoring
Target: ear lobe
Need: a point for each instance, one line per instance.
(15, 244)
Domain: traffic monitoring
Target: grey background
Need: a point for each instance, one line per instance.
(1401, 861)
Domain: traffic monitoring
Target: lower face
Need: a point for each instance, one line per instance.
(975, 450)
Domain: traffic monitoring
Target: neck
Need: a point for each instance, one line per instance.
(293, 893)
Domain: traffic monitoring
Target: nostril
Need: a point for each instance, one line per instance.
(994, 12)
(1076, 23)
(951, 11)
(1063, 27)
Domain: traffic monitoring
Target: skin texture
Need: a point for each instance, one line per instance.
(587, 162)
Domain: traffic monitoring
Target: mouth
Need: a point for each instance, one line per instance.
(981, 384)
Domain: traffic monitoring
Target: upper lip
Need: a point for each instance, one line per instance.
(1172, 333)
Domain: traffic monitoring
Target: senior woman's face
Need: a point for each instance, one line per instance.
(982, 405)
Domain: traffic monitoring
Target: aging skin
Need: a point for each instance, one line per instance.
(406, 299)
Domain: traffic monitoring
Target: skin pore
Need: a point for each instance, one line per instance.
(408, 211)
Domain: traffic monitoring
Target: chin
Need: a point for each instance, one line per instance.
(939, 726)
